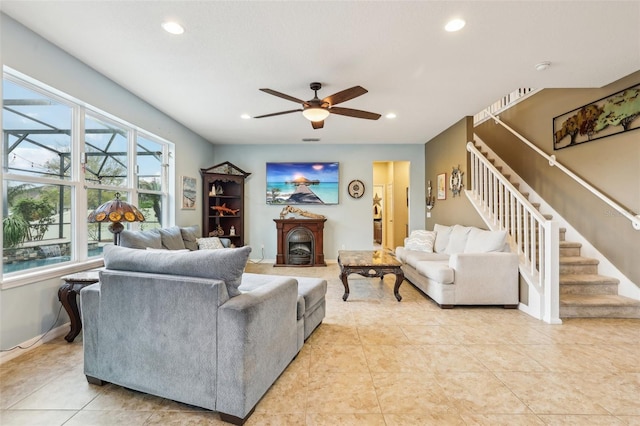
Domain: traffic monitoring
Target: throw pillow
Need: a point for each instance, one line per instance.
(189, 235)
(442, 237)
(481, 241)
(141, 239)
(225, 265)
(457, 239)
(171, 238)
(209, 243)
(420, 240)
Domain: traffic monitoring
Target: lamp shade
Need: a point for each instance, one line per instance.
(315, 114)
(116, 210)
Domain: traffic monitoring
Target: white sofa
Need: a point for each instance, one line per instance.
(461, 265)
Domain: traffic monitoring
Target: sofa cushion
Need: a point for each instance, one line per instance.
(420, 240)
(141, 239)
(481, 241)
(436, 270)
(171, 238)
(164, 250)
(225, 265)
(442, 237)
(189, 236)
(412, 257)
(209, 243)
(457, 239)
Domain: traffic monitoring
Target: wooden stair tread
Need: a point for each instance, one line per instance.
(588, 300)
(587, 279)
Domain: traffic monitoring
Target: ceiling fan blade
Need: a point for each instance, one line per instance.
(345, 95)
(354, 113)
(278, 113)
(283, 96)
(317, 124)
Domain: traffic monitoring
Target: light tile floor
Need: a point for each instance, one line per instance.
(376, 361)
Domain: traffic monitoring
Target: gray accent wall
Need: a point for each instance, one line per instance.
(349, 223)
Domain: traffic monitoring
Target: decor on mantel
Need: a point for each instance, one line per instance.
(455, 181)
(289, 209)
(116, 211)
(608, 116)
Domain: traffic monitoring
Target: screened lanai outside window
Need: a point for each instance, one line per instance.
(36, 208)
(53, 177)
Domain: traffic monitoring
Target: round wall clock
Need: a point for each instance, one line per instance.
(356, 188)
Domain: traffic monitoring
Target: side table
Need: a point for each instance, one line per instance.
(67, 295)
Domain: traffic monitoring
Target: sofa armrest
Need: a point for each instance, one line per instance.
(485, 278)
(257, 339)
(90, 310)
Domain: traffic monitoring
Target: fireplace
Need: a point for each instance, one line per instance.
(300, 242)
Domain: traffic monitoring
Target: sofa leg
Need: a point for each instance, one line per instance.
(510, 306)
(446, 306)
(95, 381)
(235, 420)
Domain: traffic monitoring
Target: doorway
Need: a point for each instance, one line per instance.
(390, 212)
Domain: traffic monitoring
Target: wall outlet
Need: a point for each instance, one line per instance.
(343, 247)
(428, 214)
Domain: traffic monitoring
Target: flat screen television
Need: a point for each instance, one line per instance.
(302, 183)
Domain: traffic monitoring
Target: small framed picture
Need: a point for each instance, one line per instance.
(188, 193)
(441, 186)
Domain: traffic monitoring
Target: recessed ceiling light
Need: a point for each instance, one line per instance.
(245, 116)
(391, 115)
(543, 66)
(455, 25)
(172, 27)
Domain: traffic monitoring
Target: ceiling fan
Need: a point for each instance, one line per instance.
(316, 110)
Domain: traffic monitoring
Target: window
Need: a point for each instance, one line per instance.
(60, 160)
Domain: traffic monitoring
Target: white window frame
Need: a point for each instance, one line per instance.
(79, 239)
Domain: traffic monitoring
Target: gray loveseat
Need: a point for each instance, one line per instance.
(180, 325)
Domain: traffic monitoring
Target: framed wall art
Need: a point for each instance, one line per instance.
(188, 193)
(302, 183)
(441, 186)
(608, 116)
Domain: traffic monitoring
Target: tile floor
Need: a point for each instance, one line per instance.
(376, 361)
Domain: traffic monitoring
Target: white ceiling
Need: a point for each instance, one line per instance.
(210, 75)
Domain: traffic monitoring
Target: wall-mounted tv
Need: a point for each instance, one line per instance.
(302, 183)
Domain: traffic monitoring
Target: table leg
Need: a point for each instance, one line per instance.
(396, 288)
(343, 278)
(67, 296)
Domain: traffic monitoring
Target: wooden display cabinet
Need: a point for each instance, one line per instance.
(223, 202)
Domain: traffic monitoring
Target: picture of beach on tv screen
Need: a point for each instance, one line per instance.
(302, 183)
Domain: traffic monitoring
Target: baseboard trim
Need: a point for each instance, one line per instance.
(36, 341)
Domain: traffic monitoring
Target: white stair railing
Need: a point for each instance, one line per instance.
(532, 236)
(633, 218)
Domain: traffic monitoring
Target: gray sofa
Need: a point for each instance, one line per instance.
(190, 326)
(461, 265)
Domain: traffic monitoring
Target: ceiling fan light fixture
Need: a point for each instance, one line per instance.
(315, 114)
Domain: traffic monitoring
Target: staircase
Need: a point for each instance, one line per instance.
(586, 294)
(583, 292)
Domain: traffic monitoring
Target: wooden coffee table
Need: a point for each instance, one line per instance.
(369, 263)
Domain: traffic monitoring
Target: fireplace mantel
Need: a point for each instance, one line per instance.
(314, 226)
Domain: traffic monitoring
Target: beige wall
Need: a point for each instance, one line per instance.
(610, 164)
(442, 154)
